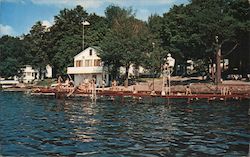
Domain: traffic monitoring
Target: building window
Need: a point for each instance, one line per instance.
(78, 63)
(90, 52)
(97, 62)
(88, 63)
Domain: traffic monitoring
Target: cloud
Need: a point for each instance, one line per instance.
(47, 23)
(99, 3)
(96, 3)
(84, 3)
(12, 1)
(6, 30)
(143, 14)
(142, 2)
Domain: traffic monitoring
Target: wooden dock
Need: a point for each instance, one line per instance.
(140, 95)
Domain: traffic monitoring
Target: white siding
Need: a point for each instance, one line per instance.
(80, 78)
(86, 66)
(48, 71)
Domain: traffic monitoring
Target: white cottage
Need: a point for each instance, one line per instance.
(29, 74)
(87, 65)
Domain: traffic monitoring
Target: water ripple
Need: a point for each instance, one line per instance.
(32, 126)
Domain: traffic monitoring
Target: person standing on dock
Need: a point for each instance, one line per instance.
(225, 91)
(59, 83)
(168, 67)
(93, 88)
(188, 90)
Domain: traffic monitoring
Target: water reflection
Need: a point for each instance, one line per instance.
(82, 116)
(31, 126)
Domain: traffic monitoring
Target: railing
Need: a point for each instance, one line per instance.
(84, 70)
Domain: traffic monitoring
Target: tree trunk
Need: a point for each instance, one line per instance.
(40, 73)
(126, 76)
(218, 68)
(212, 71)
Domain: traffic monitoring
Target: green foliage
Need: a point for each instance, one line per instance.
(155, 57)
(189, 31)
(186, 31)
(11, 53)
(126, 41)
(66, 38)
(37, 47)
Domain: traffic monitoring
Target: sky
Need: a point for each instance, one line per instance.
(18, 16)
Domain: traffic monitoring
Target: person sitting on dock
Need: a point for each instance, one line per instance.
(134, 89)
(71, 83)
(82, 87)
(188, 90)
(67, 82)
(88, 86)
(113, 87)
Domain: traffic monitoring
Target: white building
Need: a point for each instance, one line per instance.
(133, 71)
(48, 73)
(87, 65)
(190, 66)
(29, 74)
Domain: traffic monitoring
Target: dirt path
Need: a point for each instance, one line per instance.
(179, 85)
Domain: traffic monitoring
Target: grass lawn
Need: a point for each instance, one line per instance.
(46, 82)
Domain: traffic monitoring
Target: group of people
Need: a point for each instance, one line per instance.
(225, 91)
(87, 85)
(90, 85)
(61, 84)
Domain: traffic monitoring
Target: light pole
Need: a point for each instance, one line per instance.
(84, 23)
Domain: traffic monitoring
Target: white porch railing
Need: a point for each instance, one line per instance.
(85, 70)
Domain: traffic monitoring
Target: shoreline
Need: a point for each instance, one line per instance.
(196, 88)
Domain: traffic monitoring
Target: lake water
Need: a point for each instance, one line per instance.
(38, 126)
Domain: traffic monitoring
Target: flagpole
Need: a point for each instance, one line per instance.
(83, 35)
(84, 23)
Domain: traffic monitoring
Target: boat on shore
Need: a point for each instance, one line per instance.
(8, 83)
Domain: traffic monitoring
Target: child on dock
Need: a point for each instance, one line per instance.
(188, 90)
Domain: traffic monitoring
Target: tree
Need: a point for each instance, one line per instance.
(126, 41)
(202, 29)
(65, 38)
(155, 58)
(37, 48)
(241, 58)
(219, 29)
(11, 53)
(97, 29)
